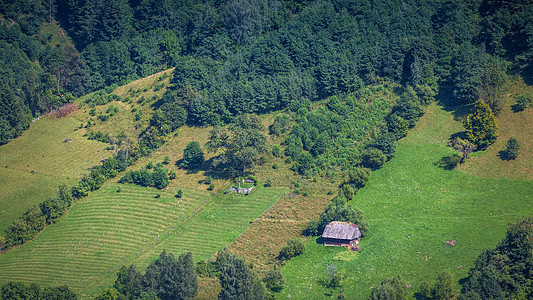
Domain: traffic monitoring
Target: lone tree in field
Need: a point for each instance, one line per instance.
(463, 147)
(193, 156)
(242, 142)
(513, 149)
(481, 128)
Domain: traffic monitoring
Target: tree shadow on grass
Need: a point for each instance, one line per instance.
(450, 104)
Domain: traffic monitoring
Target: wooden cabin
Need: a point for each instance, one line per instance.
(342, 234)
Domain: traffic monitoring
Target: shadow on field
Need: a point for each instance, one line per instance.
(449, 103)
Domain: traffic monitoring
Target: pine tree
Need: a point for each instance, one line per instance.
(481, 127)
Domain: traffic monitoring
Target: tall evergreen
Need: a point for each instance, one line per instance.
(481, 128)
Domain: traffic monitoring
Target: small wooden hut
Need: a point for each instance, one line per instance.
(341, 234)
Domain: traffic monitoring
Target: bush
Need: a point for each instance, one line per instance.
(209, 179)
(512, 151)
(274, 280)
(179, 194)
(193, 156)
(373, 158)
(293, 248)
(166, 161)
(274, 166)
(524, 101)
(172, 175)
(211, 187)
(268, 183)
(312, 228)
(358, 177)
(276, 151)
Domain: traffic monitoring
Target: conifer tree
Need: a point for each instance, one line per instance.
(481, 127)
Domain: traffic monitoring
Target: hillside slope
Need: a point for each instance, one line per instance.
(414, 207)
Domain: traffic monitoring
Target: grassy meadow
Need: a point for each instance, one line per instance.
(413, 207)
(39, 160)
(108, 229)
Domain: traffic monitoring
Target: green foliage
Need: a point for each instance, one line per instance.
(462, 147)
(166, 160)
(390, 288)
(242, 142)
(444, 288)
(523, 101)
(211, 187)
(386, 142)
(193, 156)
(373, 158)
(312, 228)
(179, 194)
(487, 281)
(343, 213)
(512, 150)
(171, 278)
(99, 136)
(481, 128)
(358, 177)
(293, 248)
(157, 178)
(276, 151)
(335, 276)
(238, 281)
(20, 290)
(274, 280)
(280, 124)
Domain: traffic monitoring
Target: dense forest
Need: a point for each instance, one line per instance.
(235, 57)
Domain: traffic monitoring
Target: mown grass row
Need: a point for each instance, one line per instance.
(109, 229)
(414, 207)
(34, 164)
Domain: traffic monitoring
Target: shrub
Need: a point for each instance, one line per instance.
(358, 177)
(274, 280)
(150, 165)
(268, 183)
(348, 191)
(276, 150)
(274, 166)
(179, 194)
(386, 143)
(211, 187)
(312, 228)
(280, 125)
(166, 161)
(209, 179)
(157, 195)
(293, 248)
(513, 149)
(524, 101)
(172, 175)
(373, 158)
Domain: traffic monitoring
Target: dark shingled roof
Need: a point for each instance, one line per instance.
(341, 231)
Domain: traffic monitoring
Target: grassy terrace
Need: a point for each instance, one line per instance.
(85, 248)
(413, 207)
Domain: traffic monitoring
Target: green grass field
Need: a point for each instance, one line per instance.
(413, 207)
(34, 164)
(86, 247)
